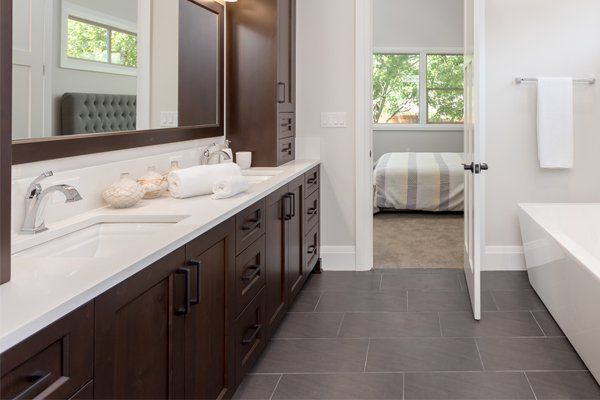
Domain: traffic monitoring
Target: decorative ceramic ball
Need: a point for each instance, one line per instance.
(125, 193)
(154, 184)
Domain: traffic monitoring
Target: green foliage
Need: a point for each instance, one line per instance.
(445, 83)
(87, 41)
(395, 86)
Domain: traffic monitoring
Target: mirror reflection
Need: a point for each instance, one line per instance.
(98, 66)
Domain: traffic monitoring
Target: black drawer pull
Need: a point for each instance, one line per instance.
(312, 211)
(287, 149)
(251, 334)
(188, 301)
(312, 250)
(251, 225)
(37, 380)
(251, 273)
(312, 180)
(198, 265)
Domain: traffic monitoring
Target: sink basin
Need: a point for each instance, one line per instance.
(96, 238)
(260, 175)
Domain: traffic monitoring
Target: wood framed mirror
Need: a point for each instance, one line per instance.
(92, 76)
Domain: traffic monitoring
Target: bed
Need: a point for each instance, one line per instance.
(419, 182)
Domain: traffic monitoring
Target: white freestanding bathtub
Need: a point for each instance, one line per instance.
(562, 251)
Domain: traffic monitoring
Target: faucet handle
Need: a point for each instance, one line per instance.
(34, 186)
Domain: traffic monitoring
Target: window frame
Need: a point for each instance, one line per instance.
(423, 124)
(111, 23)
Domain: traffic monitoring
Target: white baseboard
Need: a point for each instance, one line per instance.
(338, 258)
(504, 258)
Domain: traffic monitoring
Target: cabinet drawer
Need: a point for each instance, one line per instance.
(250, 335)
(56, 362)
(249, 273)
(286, 151)
(249, 226)
(312, 180)
(312, 211)
(287, 125)
(311, 248)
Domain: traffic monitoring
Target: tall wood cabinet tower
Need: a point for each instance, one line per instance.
(261, 46)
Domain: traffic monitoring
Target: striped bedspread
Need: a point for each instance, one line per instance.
(420, 181)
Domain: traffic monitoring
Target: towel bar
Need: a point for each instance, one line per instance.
(589, 81)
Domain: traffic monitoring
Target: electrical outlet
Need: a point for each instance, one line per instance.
(334, 120)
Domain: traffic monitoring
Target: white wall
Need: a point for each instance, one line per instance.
(325, 78)
(417, 24)
(536, 38)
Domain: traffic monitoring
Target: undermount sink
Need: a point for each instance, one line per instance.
(254, 179)
(260, 175)
(95, 238)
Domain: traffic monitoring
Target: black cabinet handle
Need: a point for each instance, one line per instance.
(288, 149)
(287, 207)
(280, 95)
(251, 225)
(312, 181)
(250, 273)
(198, 265)
(312, 211)
(312, 250)
(188, 301)
(37, 379)
(251, 334)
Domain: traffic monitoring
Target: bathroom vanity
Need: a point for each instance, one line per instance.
(184, 313)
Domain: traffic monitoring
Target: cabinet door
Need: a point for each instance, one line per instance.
(209, 365)
(286, 54)
(139, 334)
(295, 267)
(276, 287)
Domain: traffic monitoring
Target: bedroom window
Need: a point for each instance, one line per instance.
(418, 90)
(93, 41)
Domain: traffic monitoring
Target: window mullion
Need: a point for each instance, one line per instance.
(109, 45)
(423, 88)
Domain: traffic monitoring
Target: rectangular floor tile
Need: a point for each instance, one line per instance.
(309, 325)
(305, 302)
(467, 386)
(340, 386)
(313, 355)
(417, 354)
(564, 385)
(549, 326)
(412, 281)
(423, 300)
(390, 325)
(505, 280)
(257, 387)
(499, 323)
(359, 301)
(517, 300)
(538, 354)
(342, 281)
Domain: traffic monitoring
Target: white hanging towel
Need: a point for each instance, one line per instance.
(555, 122)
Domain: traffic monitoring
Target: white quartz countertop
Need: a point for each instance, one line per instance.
(42, 290)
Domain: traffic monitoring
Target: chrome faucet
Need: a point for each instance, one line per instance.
(34, 203)
(207, 155)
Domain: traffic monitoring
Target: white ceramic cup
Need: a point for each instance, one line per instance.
(243, 159)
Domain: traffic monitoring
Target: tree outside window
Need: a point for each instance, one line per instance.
(397, 98)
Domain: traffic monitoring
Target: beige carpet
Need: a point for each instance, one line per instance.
(418, 240)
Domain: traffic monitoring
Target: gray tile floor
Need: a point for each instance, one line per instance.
(409, 334)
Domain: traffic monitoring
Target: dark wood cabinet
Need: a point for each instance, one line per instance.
(261, 45)
(189, 326)
(209, 366)
(140, 335)
(56, 362)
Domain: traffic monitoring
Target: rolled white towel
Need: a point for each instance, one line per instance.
(229, 187)
(198, 181)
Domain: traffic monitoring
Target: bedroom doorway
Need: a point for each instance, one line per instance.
(418, 134)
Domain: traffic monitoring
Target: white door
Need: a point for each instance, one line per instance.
(474, 147)
(28, 69)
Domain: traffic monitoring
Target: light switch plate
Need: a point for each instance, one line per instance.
(169, 119)
(334, 120)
